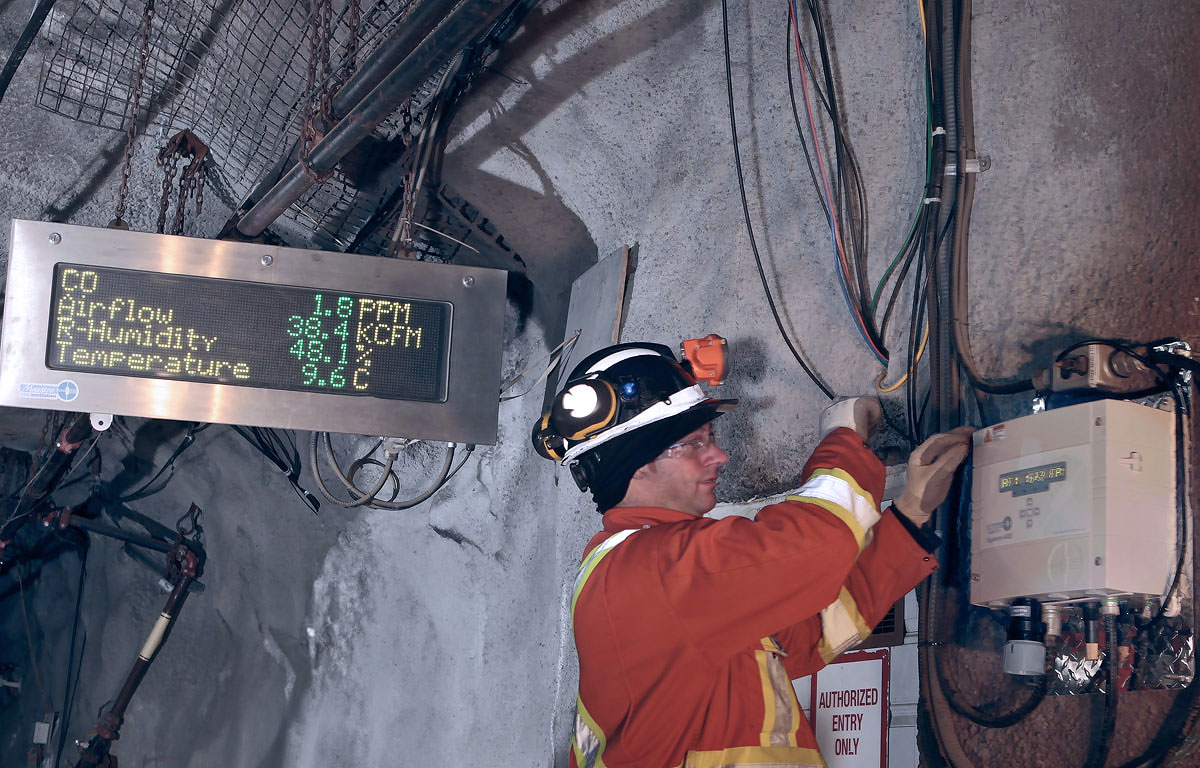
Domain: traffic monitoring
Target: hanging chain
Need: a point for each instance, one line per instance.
(191, 182)
(169, 163)
(319, 17)
(135, 107)
(321, 85)
(191, 185)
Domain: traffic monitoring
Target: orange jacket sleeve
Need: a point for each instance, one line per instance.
(734, 581)
(891, 565)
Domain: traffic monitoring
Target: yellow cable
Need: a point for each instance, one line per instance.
(904, 378)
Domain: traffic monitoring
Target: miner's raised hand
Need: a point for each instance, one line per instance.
(931, 468)
(861, 414)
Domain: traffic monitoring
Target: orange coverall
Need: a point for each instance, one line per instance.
(689, 630)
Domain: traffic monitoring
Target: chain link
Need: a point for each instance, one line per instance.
(321, 85)
(169, 163)
(191, 182)
(135, 107)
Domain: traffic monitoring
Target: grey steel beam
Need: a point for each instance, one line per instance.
(464, 25)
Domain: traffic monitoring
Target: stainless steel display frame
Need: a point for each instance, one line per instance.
(469, 414)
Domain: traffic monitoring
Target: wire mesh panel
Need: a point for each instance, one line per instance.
(232, 71)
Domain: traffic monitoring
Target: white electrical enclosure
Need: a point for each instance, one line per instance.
(1073, 503)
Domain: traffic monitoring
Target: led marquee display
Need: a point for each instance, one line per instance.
(120, 323)
(133, 323)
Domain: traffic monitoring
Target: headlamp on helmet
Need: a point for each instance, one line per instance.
(615, 392)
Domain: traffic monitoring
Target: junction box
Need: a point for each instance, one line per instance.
(1073, 503)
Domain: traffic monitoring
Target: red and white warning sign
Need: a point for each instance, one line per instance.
(849, 710)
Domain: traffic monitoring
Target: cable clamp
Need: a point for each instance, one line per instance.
(929, 200)
(394, 446)
(939, 131)
(971, 165)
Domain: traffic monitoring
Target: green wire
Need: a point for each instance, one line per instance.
(917, 216)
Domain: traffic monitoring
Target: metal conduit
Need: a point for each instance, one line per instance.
(459, 29)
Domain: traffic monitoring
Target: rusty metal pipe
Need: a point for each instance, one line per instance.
(457, 31)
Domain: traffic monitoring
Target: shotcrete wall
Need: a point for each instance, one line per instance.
(438, 636)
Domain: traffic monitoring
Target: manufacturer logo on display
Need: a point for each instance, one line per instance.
(65, 390)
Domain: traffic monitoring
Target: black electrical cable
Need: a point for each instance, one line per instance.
(36, 19)
(1101, 741)
(72, 664)
(812, 171)
(149, 488)
(959, 514)
(911, 255)
(63, 463)
(978, 716)
(279, 447)
(737, 158)
(918, 312)
(368, 461)
(849, 191)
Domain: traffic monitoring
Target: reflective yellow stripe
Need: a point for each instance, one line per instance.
(842, 627)
(781, 718)
(736, 757)
(587, 755)
(837, 492)
(860, 533)
(844, 475)
(589, 740)
(768, 699)
(592, 560)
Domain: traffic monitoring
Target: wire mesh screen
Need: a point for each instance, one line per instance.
(232, 71)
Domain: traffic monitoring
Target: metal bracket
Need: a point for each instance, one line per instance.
(972, 165)
(101, 421)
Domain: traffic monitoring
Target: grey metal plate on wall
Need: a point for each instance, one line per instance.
(136, 370)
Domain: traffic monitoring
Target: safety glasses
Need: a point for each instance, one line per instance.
(688, 449)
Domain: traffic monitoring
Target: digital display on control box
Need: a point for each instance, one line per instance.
(156, 325)
(1035, 480)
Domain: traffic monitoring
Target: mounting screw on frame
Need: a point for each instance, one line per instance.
(55, 238)
(468, 281)
(267, 260)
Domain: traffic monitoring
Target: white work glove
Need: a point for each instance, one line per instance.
(930, 470)
(861, 414)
